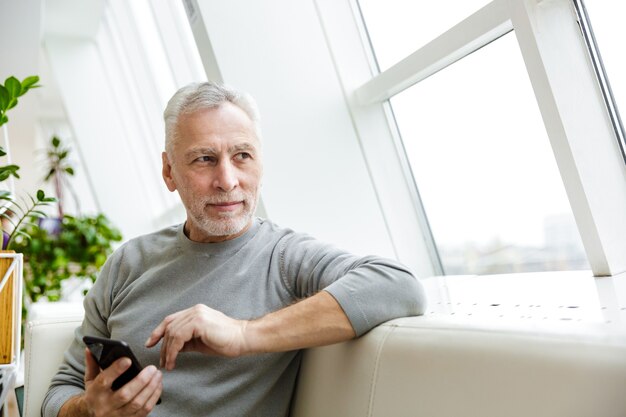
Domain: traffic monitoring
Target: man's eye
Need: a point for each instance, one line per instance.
(243, 155)
(205, 158)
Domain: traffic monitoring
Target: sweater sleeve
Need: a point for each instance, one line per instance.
(370, 290)
(69, 379)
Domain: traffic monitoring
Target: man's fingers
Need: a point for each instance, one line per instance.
(159, 331)
(152, 392)
(156, 394)
(136, 394)
(117, 368)
(156, 334)
(179, 332)
(91, 366)
(169, 352)
(175, 345)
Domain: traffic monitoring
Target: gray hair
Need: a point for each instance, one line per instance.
(206, 95)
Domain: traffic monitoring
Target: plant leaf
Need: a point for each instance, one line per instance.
(4, 97)
(40, 195)
(55, 141)
(20, 233)
(17, 205)
(69, 170)
(2, 152)
(50, 174)
(3, 119)
(14, 87)
(29, 82)
(8, 170)
(12, 103)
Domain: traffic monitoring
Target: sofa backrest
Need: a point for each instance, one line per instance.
(45, 343)
(437, 367)
(421, 366)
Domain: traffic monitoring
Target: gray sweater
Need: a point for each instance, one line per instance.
(264, 270)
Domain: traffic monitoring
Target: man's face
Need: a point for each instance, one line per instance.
(216, 167)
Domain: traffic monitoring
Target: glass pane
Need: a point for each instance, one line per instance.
(484, 166)
(610, 32)
(398, 27)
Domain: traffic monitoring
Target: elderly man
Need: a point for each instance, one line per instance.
(225, 300)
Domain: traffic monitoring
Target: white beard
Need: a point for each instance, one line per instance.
(226, 223)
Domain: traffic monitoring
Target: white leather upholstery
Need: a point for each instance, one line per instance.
(45, 342)
(425, 367)
(422, 366)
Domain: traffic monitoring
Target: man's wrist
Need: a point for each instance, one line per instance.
(251, 336)
(75, 407)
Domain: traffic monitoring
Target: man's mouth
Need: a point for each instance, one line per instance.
(227, 205)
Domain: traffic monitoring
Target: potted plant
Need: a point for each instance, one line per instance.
(14, 216)
(65, 247)
(78, 251)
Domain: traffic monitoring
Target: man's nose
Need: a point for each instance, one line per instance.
(226, 178)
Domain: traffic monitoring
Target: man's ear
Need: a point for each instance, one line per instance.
(167, 173)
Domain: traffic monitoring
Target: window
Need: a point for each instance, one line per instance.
(484, 167)
(566, 92)
(399, 27)
(604, 32)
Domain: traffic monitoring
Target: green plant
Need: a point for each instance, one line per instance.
(11, 91)
(58, 169)
(65, 247)
(9, 94)
(16, 213)
(21, 215)
(80, 249)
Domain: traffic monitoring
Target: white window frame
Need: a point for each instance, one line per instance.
(568, 94)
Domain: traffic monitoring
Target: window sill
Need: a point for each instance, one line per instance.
(569, 302)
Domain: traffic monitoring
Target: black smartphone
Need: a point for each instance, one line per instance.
(107, 351)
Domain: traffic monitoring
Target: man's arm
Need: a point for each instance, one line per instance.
(316, 321)
(342, 296)
(79, 388)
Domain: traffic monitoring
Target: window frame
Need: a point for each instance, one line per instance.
(556, 59)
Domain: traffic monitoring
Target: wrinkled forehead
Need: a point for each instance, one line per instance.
(196, 150)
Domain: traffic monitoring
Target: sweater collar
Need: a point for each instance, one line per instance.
(217, 248)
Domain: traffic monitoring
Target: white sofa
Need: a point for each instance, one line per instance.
(428, 366)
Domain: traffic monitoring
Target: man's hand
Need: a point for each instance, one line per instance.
(199, 329)
(315, 321)
(137, 398)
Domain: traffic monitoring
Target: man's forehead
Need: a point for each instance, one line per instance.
(225, 127)
(223, 115)
(231, 148)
